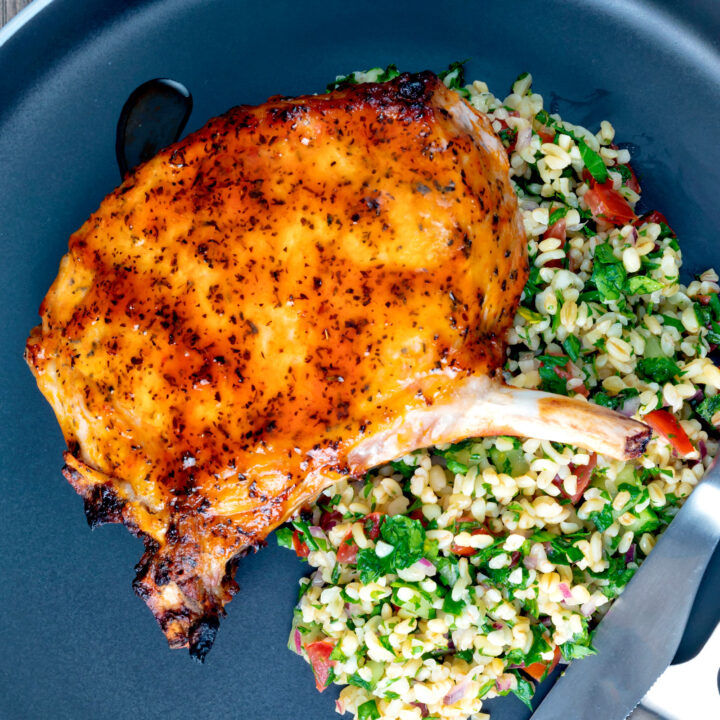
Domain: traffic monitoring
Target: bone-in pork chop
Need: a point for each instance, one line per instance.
(296, 292)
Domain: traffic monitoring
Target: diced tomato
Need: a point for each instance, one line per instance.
(651, 217)
(566, 374)
(328, 520)
(703, 299)
(546, 135)
(606, 203)
(465, 550)
(347, 552)
(665, 423)
(318, 653)
(372, 524)
(583, 474)
(582, 390)
(301, 549)
(418, 514)
(633, 183)
(539, 670)
(556, 230)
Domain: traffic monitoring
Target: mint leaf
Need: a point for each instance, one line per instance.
(593, 162)
(524, 690)
(639, 285)
(604, 254)
(609, 280)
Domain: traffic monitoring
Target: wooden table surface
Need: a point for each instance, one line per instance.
(8, 8)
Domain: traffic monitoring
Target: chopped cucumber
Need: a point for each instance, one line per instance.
(652, 348)
(647, 521)
(377, 669)
(511, 462)
(413, 600)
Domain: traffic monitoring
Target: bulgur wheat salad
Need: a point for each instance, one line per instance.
(464, 572)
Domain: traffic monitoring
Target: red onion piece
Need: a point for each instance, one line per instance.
(630, 554)
(565, 590)
(631, 406)
(424, 712)
(426, 564)
(536, 555)
(703, 449)
(498, 625)
(328, 520)
(588, 608)
(298, 642)
(503, 683)
(457, 692)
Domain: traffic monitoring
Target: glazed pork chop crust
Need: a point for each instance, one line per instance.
(251, 310)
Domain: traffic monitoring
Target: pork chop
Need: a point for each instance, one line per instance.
(295, 293)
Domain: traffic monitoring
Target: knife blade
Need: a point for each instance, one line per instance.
(689, 689)
(641, 632)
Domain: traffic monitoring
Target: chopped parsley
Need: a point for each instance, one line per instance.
(284, 537)
(550, 379)
(409, 543)
(708, 407)
(557, 214)
(368, 711)
(603, 519)
(454, 78)
(571, 346)
(615, 401)
(658, 369)
(576, 651)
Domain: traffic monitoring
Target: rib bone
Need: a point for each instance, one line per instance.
(484, 406)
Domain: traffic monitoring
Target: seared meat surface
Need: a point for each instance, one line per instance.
(296, 292)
